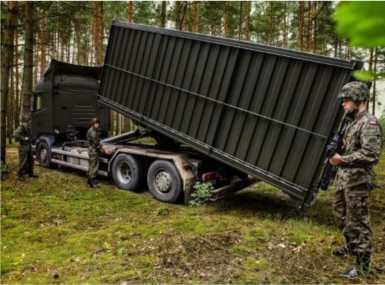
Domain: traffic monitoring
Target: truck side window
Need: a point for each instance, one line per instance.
(37, 101)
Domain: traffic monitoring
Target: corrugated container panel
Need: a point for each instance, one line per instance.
(264, 110)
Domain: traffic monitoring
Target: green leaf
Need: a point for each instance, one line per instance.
(363, 75)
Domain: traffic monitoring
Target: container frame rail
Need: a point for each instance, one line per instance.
(168, 172)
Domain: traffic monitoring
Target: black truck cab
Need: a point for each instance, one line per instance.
(65, 100)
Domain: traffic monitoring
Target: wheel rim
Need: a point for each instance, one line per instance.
(124, 173)
(163, 182)
(43, 154)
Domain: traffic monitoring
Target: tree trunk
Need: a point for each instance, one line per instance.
(43, 41)
(226, 19)
(98, 31)
(336, 46)
(314, 15)
(10, 108)
(7, 60)
(301, 21)
(77, 39)
(130, 11)
(195, 17)
(308, 25)
(247, 20)
(28, 61)
(240, 20)
(163, 14)
(35, 66)
(374, 83)
(180, 14)
(285, 26)
(17, 81)
(371, 59)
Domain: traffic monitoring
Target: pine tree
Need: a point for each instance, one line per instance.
(163, 15)
(130, 11)
(98, 32)
(28, 60)
(7, 49)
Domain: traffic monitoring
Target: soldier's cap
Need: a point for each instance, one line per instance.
(94, 121)
(355, 90)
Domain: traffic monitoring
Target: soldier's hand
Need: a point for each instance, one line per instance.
(336, 160)
(26, 138)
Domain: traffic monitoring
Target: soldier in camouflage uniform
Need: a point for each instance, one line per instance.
(93, 137)
(94, 150)
(23, 136)
(361, 150)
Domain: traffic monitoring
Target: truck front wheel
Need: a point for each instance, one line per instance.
(127, 172)
(44, 154)
(164, 181)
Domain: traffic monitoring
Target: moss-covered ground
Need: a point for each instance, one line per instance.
(55, 229)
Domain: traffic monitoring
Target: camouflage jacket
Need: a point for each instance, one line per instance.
(93, 139)
(22, 135)
(362, 144)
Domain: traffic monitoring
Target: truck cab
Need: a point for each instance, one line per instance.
(64, 101)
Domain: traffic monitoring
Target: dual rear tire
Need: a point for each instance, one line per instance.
(163, 179)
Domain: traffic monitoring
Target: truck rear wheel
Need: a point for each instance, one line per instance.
(44, 154)
(164, 181)
(127, 172)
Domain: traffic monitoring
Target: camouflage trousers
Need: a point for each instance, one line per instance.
(25, 160)
(93, 163)
(351, 208)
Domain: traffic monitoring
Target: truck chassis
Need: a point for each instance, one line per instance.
(169, 172)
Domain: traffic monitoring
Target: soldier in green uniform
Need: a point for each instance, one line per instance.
(93, 138)
(23, 136)
(94, 150)
(362, 144)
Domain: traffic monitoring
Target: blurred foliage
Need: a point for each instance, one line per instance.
(363, 23)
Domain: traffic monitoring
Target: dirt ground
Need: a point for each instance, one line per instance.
(54, 229)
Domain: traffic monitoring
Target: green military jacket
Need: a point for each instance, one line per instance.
(23, 135)
(93, 139)
(361, 150)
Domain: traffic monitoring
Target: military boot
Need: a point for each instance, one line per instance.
(33, 175)
(350, 273)
(360, 269)
(91, 183)
(363, 263)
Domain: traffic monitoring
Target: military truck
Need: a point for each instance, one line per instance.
(220, 110)
(64, 102)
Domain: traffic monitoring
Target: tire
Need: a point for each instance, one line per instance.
(44, 154)
(127, 172)
(163, 174)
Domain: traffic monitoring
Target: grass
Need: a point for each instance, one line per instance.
(55, 229)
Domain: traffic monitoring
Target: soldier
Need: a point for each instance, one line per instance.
(94, 150)
(361, 149)
(23, 136)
